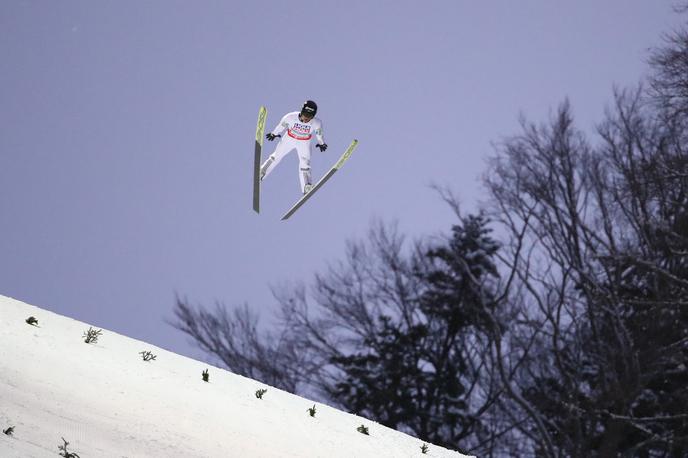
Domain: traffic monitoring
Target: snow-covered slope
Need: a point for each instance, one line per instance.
(107, 402)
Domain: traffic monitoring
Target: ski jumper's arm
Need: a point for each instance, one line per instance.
(319, 132)
(282, 125)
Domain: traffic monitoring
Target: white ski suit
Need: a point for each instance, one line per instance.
(298, 137)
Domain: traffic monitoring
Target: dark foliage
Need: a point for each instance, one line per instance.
(605, 282)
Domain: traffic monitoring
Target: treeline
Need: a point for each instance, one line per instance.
(565, 335)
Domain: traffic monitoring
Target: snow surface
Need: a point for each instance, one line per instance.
(107, 402)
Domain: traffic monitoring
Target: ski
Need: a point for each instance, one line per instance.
(260, 129)
(323, 180)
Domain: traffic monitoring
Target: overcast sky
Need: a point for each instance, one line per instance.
(127, 130)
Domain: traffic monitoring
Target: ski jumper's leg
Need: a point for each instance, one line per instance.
(283, 148)
(303, 149)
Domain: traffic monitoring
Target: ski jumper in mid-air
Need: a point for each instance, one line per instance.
(300, 128)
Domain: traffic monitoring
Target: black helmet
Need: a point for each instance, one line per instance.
(309, 108)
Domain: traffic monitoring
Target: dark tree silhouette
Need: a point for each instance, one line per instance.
(603, 283)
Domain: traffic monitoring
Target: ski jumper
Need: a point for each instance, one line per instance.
(298, 137)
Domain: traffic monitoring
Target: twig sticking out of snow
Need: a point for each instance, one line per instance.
(91, 336)
(63, 450)
(147, 356)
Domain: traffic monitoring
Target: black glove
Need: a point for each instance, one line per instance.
(271, 136)
(322, 147)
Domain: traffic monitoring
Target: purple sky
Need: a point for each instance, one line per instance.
(126, 133)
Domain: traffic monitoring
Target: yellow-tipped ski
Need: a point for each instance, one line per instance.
(322, 181)
(260, 130)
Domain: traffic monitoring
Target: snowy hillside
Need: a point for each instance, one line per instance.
(106, 401)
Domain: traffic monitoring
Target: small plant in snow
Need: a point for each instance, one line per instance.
(63, 450)
(311, 411)
(32, 321)
(260, 393)
(8, 431)
(147, 356)
(206, 375)
(424, 448)
(91, 336)
(363, 430)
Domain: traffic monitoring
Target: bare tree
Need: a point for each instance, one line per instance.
(669, 83)
(233, 337)
(586, 229)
